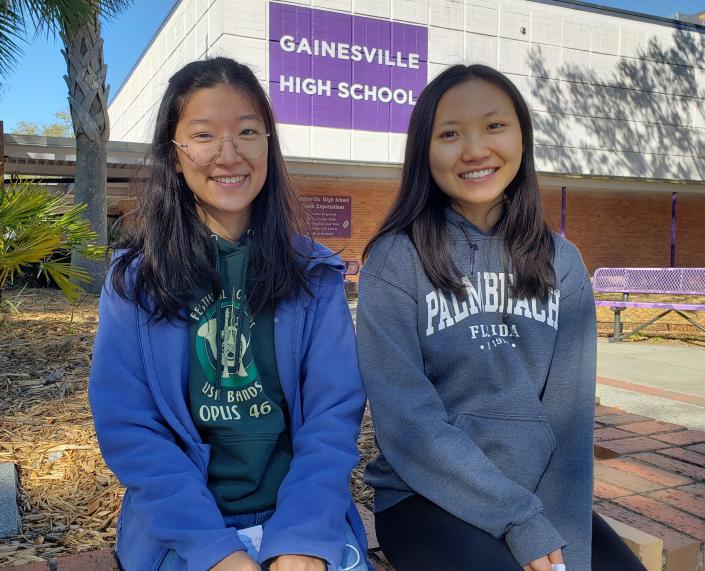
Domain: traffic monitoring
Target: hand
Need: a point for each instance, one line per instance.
(237, 561)
(544, 563)
(297, 563)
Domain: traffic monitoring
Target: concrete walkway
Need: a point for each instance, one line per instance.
(661, 381)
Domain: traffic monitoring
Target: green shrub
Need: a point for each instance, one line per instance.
(34, 231)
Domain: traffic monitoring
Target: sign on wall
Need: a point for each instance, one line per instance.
(338, 70)
(330, 215)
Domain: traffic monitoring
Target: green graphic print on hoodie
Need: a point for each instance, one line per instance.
(236, 399)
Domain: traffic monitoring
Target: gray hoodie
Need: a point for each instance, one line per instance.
(482, 403)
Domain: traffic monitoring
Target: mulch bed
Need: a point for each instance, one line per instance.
(69, 499)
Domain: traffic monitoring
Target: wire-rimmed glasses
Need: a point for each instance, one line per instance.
(204, 149)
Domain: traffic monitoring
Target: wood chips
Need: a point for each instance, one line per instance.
(69, 499)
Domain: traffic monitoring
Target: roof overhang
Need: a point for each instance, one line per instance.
(56, 157)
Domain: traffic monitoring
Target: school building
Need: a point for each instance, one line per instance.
(618, 102)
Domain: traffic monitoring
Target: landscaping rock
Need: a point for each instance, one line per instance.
(9, 514)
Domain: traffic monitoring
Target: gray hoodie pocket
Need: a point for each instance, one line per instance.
(520, 446)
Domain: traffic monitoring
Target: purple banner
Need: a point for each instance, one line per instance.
(338, 70)
(330, 215)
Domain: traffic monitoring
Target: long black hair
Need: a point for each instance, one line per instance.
(172, 244)
(419, 208)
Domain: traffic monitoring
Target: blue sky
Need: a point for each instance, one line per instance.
(36, 89)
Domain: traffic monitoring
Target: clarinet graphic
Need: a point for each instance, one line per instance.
(229, 340)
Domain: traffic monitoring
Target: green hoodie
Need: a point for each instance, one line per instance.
(241, 413)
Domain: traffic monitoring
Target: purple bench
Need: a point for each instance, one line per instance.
(664, 281)
(352, 268)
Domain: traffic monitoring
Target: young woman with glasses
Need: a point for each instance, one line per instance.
(225, 387)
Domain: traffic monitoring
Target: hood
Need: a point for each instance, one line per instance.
(315, 256)
(460, 227)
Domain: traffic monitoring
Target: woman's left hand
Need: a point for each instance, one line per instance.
(297, 563)
(544, 563)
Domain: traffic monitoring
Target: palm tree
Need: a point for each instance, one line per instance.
(78, 23)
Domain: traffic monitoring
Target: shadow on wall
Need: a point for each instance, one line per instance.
(622, 116)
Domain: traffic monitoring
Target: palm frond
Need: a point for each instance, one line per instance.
(53, 16)
(29, 245)
(111, 8)
(26, 201)
(33, 232)
(77, 233)
(12, 32)
(49, 17)
(12, 303)
(67, 277)
(68, 16)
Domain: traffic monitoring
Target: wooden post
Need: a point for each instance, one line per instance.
(564, 199)
(2, 157)
(674, 215)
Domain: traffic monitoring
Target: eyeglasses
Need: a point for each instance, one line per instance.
(204, 149)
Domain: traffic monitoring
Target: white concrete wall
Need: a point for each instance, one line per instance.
(609, 95)
(185, 36)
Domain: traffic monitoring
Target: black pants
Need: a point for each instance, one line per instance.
(417, 535)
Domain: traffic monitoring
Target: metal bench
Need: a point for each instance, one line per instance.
(662, 281)
(352, 268)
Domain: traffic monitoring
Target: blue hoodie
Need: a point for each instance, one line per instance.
(482, 403)
(138, 393)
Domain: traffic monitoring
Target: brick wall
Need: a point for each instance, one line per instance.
(690, 231)
(551, 198)
(611, 228)
(371, 200)
(615, 228)
(626, 228)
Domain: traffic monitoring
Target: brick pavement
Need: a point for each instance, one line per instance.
(649, 475)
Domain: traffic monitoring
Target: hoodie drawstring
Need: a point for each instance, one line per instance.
(473, 247)
(218, 327)
(505, 314)
(238, 321)
(241, 313)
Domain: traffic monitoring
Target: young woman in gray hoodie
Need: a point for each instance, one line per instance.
(476, 341)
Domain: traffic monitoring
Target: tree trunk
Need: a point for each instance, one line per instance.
(88, 102)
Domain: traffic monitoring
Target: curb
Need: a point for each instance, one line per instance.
(102, 560)
(647, 548)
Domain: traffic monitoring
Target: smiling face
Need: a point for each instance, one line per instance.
(224, 191)
(476, 149)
